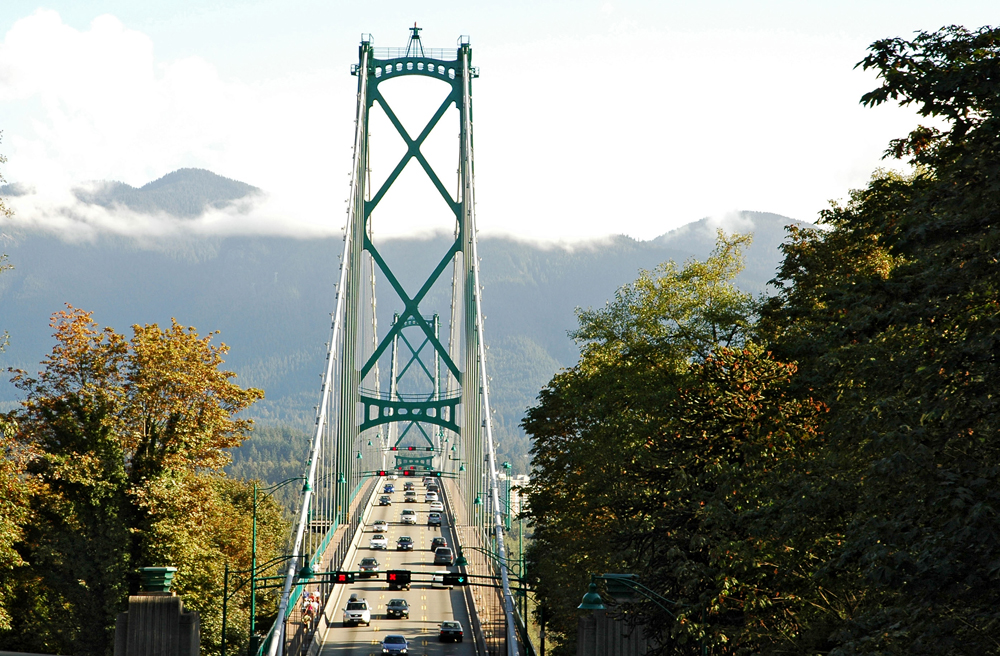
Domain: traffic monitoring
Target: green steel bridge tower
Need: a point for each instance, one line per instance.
(432, 414)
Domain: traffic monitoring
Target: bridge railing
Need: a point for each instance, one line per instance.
(443, 54)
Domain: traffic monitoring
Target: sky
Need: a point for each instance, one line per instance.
(592, 118)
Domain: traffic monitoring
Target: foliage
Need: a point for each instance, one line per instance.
(128, 438)
(593, 422)
(906, 354)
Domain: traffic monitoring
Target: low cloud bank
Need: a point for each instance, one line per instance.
(67, 215)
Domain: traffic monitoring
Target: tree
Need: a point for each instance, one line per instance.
(902, 331)
(13, 489)
(128, 438)
(593, 422)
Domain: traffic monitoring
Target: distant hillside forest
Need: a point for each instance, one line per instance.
(271, 297)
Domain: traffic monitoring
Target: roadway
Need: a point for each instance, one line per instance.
(428, 606)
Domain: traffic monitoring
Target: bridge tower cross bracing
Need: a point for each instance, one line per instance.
(357, 425)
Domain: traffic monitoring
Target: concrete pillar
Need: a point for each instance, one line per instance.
(586, 635)
(156, 625)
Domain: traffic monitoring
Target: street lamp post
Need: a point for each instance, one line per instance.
(592, 600)
(253, 557)
(506, 468)
(306, 573)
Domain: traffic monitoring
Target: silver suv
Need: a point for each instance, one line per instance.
(357, 612)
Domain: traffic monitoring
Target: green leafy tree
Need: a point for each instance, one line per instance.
(593, 422)
(898, 332)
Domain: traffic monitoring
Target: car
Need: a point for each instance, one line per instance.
(410, 496)
(394, 644)
(380, 526)
(430, 496)
(389, 488)
(385, 500)
(437, 579)
(437, 506)
(433, 488)
(409, 486)
(369, 567)
(405, 543)
(439, 541)
(357, 612)
(451, 632)
(443, 556)
(394, 476)
(397, 608)
(378, 541)
(408, 517)
(434, 519)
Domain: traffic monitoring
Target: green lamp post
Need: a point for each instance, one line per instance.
(253, 547)
(592, 600)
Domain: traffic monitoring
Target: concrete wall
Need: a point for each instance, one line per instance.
(600, 633)
(156, 625)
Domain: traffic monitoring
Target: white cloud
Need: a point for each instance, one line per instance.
(109, 110)
(633, 130)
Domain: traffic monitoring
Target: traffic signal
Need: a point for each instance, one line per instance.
(435, 474)
(411, 448)
(407, 472)
(456, 579)
(393, 448)
(398, 578)
(383, 472)
(343, 577)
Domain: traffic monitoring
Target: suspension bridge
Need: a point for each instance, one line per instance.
(406, 407)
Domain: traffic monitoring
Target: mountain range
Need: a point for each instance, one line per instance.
(271, 297)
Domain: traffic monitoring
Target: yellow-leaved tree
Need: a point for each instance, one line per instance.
(128, 438)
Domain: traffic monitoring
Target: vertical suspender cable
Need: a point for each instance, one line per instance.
(470, 204)
(278, 635)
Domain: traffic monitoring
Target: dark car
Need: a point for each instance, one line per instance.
(368, 567)
(394, 644)
(408, 486)
(451, 632)
(439, 541)
(385, 500)
(405, 543)
(389, 488)
(397, 608)
(443, 556)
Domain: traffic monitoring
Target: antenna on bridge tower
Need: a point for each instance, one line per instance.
(414, 47)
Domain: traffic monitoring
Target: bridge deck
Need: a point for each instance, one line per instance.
(428, 606)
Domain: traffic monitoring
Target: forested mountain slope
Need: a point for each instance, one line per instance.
(271, 297)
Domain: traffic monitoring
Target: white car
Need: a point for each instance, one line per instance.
(438, 579)
(380, 526)
(430, 497)
(357, 612)
(378, 541)
(394, 477)
(437, 506)
(408, 517)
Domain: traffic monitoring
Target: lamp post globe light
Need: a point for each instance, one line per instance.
(592, 599)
